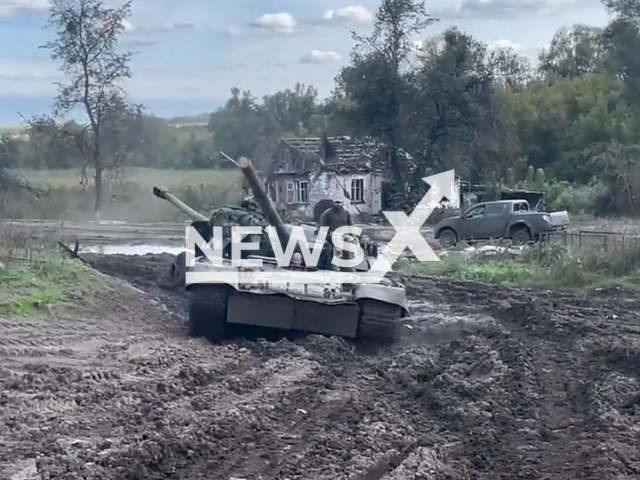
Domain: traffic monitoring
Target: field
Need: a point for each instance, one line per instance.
(11, 129)
(101, 381)
(145, 177)
(132, 195)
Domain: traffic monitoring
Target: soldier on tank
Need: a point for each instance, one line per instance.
(335, 218)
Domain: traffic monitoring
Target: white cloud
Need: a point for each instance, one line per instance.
(11, 7)
(316, 56)
(506, 8)
(278, 22)
(28, 77)
(506, 43)
(235, 30)
(128, 26)
(357, 15)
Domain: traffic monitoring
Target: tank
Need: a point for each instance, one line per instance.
(220, 308)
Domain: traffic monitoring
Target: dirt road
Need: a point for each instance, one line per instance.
(138, 238)
(485, 384)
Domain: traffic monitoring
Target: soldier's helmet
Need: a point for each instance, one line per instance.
(249, 203)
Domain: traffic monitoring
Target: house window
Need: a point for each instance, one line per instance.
(273, 192)
(357, 190)
(298, 192)
(291, 192)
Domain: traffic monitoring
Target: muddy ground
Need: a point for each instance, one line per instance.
(486, 383)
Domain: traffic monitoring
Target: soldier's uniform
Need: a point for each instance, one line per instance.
(335, 218)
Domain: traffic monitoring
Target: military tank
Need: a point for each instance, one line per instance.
(366, 312)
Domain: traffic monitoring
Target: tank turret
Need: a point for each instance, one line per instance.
(165, 194)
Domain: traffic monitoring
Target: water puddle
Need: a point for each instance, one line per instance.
(132, 249)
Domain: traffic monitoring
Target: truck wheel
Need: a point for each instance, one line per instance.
(208, 312)
(521, 236)
(448, 238)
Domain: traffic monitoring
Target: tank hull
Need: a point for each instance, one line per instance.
(364, 311)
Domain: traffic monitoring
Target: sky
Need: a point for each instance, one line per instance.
(189, 54)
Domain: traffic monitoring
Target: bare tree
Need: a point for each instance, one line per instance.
(87, 34)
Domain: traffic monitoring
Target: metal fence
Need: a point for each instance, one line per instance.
(591, 239)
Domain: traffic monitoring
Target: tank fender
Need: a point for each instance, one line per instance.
(383, 293)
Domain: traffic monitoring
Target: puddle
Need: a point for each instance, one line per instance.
(132, 249)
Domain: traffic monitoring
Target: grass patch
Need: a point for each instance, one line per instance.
(144, 177)
(555, 266)
(36, 279)
(11, 130)
(203, 190)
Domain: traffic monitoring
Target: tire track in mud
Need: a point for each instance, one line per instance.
(485, 384)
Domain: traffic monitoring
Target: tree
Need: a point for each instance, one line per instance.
(574, 52)
(509, 69)
(621, 39)
(86, 42)
(238, 128)
(375, 87)
(455, 120)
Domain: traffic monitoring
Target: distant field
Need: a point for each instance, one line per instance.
(11, 129)
(145, 177)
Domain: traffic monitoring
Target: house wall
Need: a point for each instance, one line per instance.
(327, 186)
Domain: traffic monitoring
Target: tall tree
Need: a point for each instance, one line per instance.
(622, 42)
(455, 120)
(376, 84)
(573, 52)
(87, 34)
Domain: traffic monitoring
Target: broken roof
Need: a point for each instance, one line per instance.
(340, 154)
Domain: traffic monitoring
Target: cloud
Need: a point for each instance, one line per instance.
(277, 22)
(235, 30)
(128, 26)
(316, 56)
(357, 15)
(30, 77)
(506, 43)
(153, 29)
(499, 9)
(11, 7)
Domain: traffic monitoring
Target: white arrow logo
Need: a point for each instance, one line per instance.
(408, 228)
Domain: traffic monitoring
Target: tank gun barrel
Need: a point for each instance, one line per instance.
(263, 200)
(165, 194)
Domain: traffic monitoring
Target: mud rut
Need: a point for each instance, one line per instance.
(485, 384)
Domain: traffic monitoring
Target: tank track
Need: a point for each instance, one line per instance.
(379, 322)
(208, 312)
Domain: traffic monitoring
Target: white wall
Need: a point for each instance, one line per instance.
(326, 186)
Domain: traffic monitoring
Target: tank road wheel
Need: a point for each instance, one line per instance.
(379, 322)
(448, 238)
(208, 312)
(521, 236)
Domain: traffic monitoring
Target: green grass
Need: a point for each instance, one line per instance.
(145, 177)
(11, 129)
(553, 267)
(33, 280)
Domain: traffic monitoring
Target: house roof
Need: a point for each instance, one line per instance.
(344, 153)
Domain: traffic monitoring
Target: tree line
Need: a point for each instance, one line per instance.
(570, 122)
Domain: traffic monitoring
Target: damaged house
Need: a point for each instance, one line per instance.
(308, 174)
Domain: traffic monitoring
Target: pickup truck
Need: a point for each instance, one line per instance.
(512, 219)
